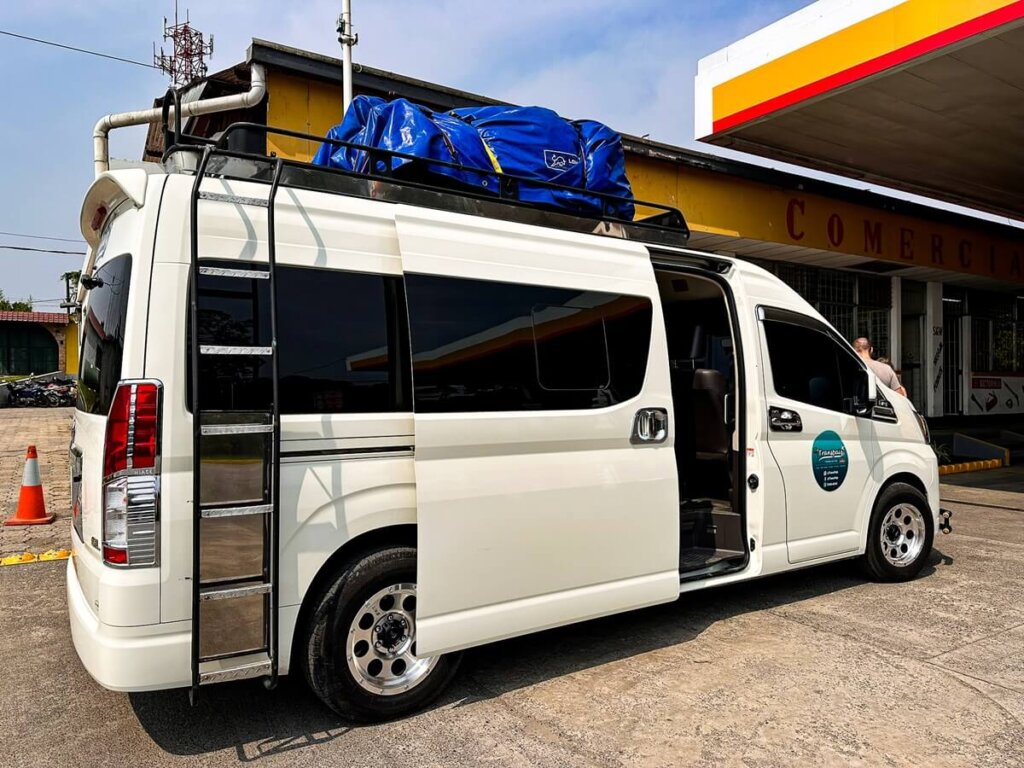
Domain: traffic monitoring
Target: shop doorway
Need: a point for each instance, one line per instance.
(912, 318)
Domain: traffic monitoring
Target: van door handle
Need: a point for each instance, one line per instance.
(650, 426)
(784, 420)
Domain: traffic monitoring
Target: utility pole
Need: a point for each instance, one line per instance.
(347, 38)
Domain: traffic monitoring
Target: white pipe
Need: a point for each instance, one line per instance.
(100, 144)
(347, 40)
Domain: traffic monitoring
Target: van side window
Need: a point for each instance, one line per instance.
(337, 341)
(490, 346)
(809, 366)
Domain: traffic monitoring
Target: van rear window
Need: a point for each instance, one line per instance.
(106, 310)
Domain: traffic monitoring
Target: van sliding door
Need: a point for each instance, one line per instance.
(542, 498)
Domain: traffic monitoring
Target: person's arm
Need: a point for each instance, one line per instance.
(894, 383)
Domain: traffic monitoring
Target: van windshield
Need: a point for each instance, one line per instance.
(106, 310)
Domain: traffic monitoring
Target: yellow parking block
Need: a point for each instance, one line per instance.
(31, 557)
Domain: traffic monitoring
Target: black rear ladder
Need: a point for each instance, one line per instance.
(236, 465)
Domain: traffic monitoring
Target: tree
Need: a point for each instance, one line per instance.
(16, 306)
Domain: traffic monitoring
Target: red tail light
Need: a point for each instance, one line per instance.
(132, 428)
(131, 483)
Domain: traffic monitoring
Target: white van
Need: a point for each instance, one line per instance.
(429, 421)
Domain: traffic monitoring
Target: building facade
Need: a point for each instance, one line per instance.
(935, 291)
(34, 343)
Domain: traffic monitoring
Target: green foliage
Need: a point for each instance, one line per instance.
(942, 453)
(16, 306)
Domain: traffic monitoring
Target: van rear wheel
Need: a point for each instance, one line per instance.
(361, 658)
(900, 534)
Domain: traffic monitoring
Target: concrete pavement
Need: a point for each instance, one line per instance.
(815, 668)
(49, 429)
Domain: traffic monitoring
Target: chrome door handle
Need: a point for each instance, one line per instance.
(784, 420)
(650, 426)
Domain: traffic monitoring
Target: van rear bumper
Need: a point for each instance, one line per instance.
(143, 658)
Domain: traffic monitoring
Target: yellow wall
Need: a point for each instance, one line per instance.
(715, 202)
(300, 104)
(71, 348)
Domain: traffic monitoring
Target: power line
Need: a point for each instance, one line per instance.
(41, 250)
(79, 50)
(43, 237)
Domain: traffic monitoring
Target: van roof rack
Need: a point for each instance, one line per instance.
(663, 225)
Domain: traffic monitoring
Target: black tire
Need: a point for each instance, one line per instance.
(326, 664)
(874, 562)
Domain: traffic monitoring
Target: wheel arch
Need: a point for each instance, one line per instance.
(903, 477)
(401, 534)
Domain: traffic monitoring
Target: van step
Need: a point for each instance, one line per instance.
(234, 668)
(219, 349)
(255, 274)
(235, 429)
(227, 593)
(220, 197)
(252, 509)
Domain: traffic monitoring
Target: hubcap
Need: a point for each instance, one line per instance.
(902, 534)
(381, 643)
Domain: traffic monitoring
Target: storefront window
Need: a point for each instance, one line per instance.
(997, 333)
(857, 305)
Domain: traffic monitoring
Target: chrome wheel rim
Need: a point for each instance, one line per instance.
(381, 643)
(902, 535)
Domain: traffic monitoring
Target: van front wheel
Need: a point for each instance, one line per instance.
(362, 658)
(900, 535)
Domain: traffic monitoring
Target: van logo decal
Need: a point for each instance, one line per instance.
(829, 460)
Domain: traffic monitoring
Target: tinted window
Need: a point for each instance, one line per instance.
(103, 324)
(489, 346)
(810, 366)
(335, 340)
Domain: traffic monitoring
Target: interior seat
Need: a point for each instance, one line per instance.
(712, 433)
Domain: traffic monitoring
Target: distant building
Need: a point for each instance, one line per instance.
(37, 343)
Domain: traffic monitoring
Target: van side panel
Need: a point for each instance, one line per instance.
(342, 474)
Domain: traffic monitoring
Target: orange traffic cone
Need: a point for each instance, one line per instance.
(31, 509)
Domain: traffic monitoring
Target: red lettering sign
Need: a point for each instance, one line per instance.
(873, 237)
(906, 244)
(791, 218)
(835, 230)
(965, 253)
(936, 249)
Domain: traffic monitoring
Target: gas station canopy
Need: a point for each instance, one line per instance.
(921, 95)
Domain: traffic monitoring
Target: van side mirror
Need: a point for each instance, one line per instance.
(865, 394)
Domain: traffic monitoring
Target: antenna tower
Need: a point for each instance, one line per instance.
(189, 49)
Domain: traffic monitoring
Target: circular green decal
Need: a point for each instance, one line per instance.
(829, 460)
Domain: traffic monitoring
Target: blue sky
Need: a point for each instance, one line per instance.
(629, 64)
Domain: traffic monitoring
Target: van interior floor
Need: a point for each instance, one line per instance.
(708, 532)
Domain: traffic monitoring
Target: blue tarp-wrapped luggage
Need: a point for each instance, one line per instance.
(527, 142)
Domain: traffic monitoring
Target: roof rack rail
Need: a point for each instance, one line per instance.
(663, 224)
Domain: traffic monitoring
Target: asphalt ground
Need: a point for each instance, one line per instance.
(818, 667)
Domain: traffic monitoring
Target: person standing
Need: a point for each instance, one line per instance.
(884, 372)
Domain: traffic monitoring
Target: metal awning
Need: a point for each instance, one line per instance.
(921, 95)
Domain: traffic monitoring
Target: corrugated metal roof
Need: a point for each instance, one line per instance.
(53, 318)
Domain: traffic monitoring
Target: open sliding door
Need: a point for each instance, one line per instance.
(542, 497)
